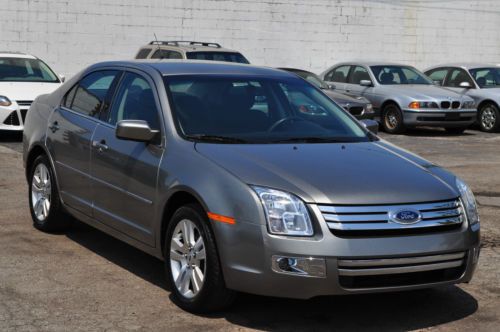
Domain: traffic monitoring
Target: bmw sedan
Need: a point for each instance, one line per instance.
(402, 96)
(222, 172)
(479, 81)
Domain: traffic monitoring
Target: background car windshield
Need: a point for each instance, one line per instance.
(257, 110)
(388, 75)
(486, 77)
(217, 56)
(310, 77)
(25, 70)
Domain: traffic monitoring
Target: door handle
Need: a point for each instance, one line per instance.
(100, 145)
(54, 126)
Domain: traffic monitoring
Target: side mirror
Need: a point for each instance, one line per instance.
(62, 78)
(465, 85)
(331, 86)
(365, 83)
(371, 125)
(135, 130)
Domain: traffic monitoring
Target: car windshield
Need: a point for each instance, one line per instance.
(25, 70)
(393, 75)
(486, 77)
(241, 109)
(217, 56)
(310, 77)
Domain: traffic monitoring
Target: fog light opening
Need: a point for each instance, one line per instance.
(299, 266)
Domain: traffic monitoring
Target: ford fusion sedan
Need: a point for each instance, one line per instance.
(359, 106)
(219, 170)
(479, 81)
(402, 96)
(22, 78)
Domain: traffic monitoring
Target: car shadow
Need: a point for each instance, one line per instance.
(386, 311)
(436, 132)
(11, 136)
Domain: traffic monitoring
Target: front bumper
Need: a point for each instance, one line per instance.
(440, 118)
(247, 259)
(12, 117)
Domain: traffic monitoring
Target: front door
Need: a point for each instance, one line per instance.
(125, 173)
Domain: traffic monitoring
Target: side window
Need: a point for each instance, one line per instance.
(175, 55)
(70, 95)
(456, 77)
(358, 74)
(143, 53)
(160, 54)
(92, 91)
(338, 74)
(134, 101)
(438, 75)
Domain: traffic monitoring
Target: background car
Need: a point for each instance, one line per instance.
(480, 81)
(191, 50)
(359, 106)
(22, 78)
(402, 96)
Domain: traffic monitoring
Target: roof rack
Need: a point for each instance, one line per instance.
(179, 42)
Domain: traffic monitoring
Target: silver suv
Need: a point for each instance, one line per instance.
(402, 96)
(191, 50)
(246, 179)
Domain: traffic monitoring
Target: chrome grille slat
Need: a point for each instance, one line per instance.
(400, 269)
(399, 261)
(376, 217)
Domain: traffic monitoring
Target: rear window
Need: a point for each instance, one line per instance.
(143, 54)
(217, 56)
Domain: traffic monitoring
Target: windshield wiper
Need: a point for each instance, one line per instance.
(216, 138)
(311, 140)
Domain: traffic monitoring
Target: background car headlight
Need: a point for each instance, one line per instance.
(4, 101)
(468, 200)
(422, 104)
(469, 104)
(286, 214)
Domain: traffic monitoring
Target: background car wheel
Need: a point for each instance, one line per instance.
(45, 205)
(489, 118)
(192, 263)
(392, 119)
(455, 131)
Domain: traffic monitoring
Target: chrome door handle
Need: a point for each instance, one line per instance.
(100, 145)
(54, 126)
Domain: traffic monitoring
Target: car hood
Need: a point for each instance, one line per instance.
(344, 99)
(423, 92)
(26, 90)
(351, 173)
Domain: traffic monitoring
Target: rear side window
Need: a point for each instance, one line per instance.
(359, 74)
(339, 74)
(143, 54)
(456, 77)
(438, 75)
(91, 92)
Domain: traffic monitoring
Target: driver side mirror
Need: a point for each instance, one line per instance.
(135, 130)
(465, 85)
(371, 125)
(62, 78)
(365, 83)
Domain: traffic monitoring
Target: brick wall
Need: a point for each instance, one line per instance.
(309, 34)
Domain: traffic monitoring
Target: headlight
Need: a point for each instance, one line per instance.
(286, 214)
(468, 200)
(469, 104)
(4, 101)
(422, 104)
(369, 108)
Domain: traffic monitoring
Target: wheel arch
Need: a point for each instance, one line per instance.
(487, 101)
(36, 150)
(387, 102)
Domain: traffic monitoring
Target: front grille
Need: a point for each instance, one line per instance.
(356, 110)
(356, 220)
(24, 102)
(455, 104)
(445, 104)
(401, 271)
(12, 119)
(23, 114)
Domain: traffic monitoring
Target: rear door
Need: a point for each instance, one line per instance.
(125, 173)
(455, 77)
(353, 87)
(71, 127)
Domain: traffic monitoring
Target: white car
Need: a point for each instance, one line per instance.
(23, 77)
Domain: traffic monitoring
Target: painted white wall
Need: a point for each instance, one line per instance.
(309, 34)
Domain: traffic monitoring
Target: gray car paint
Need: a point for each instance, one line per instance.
(218, 177)
(379, 94)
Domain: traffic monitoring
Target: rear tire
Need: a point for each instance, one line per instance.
(488, 118)
(392, 119)
(192, 266)
(455, 131)
(45, 205)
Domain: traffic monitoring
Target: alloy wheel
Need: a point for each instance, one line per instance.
(488, 118)
(41, 191)
(391, 119)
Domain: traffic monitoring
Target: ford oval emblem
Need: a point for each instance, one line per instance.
(405, 216)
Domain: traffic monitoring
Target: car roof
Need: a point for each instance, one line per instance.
(295, 70)
(465, 65)
(9, 54)
(188, 46)
(371, 63)
(198, 67)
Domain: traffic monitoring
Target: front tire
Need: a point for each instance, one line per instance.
(45, 205)
(489, 118)
(192, 263)
(392, 119)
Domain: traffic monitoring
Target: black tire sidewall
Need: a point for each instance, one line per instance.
(400, 127)
(497, 123)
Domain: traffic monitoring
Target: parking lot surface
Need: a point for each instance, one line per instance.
(85, 280)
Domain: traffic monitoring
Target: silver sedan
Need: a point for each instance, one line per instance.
(402, 96)
(480, 81)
